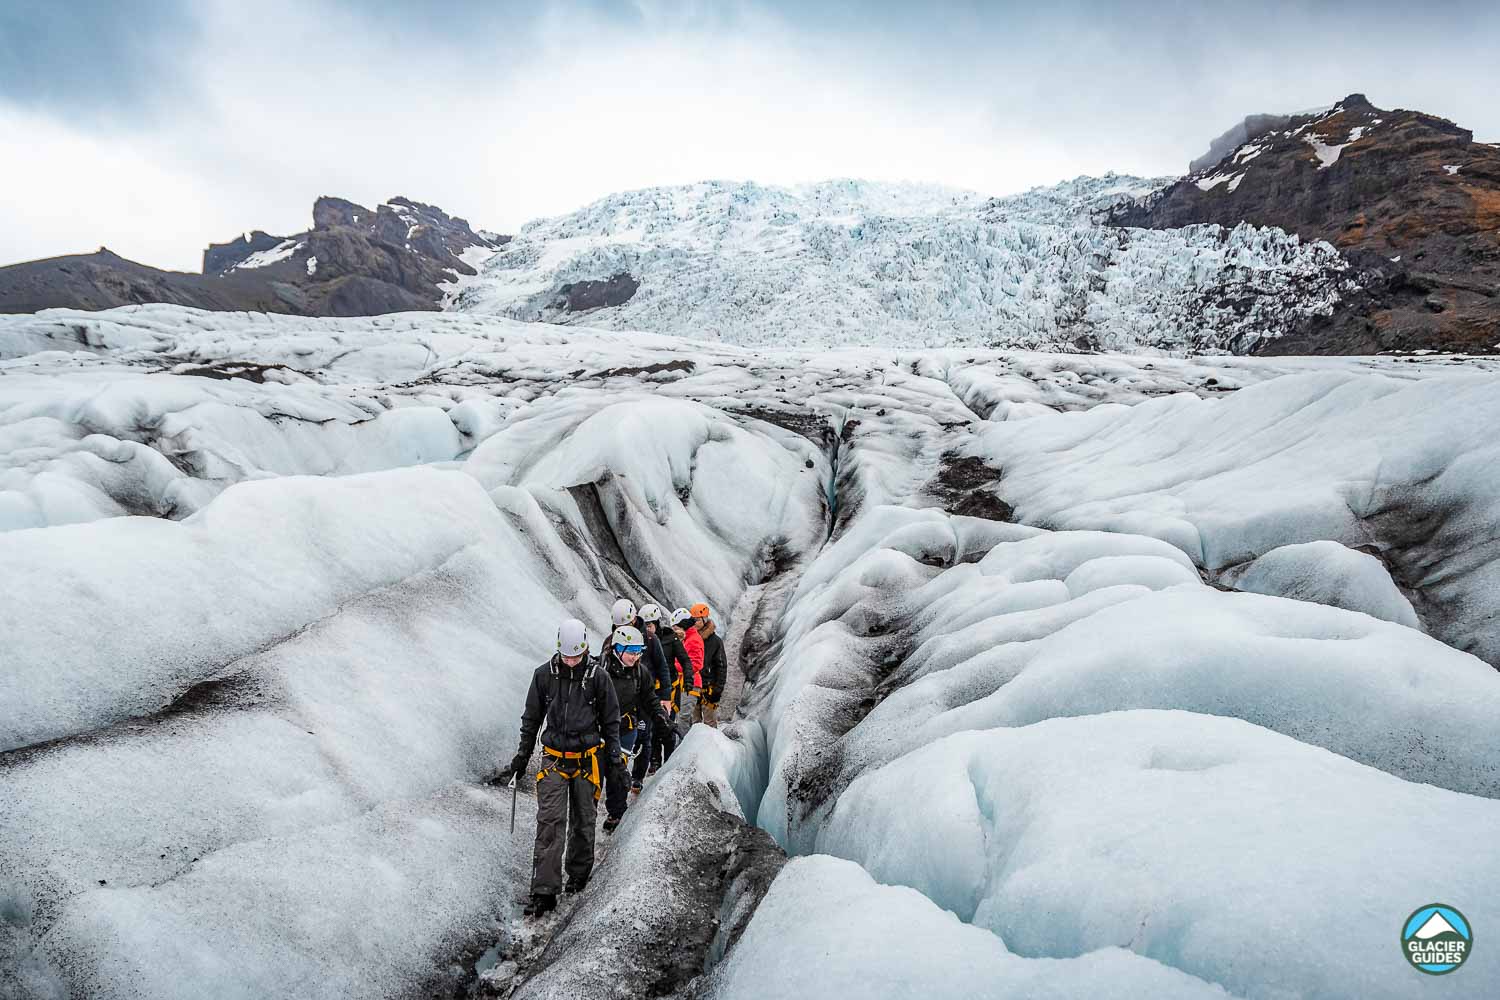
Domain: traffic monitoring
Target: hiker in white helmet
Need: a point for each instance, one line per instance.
(578, 703)
(622, 612)
(659, 639)
(635, 694)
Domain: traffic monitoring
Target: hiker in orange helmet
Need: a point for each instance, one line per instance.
(715, 665)
(692, 642)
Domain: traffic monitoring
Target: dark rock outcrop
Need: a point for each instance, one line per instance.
(353, 262)
(1409, 199)
(579, 296)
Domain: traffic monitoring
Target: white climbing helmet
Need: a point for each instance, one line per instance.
(623, 613)
(650, 613)
(681, 615)
(572, 638)
(628, 639)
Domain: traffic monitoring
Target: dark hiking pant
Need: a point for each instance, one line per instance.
(706, 712)
(563, 803)
(617, 775)
(664, 741)
(646, 740)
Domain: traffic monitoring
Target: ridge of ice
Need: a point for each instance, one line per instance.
(851, 263)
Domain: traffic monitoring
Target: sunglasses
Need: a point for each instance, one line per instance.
(630, 649)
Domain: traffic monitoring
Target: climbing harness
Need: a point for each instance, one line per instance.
(592, 772)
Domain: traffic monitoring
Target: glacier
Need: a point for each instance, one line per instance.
(859, 263)
(1065, 674)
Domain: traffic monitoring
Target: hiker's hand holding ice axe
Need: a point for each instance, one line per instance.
(512, 772)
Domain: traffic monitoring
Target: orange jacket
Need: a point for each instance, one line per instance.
(693, 643)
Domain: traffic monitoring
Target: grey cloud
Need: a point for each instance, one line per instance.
(87, 57)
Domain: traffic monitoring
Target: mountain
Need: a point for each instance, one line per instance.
(402, 256)
(856, 262)
(103, 279)
(1345, 230)
(1410, 200)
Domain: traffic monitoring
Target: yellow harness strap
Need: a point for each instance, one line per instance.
(627, 720)
(592, 753)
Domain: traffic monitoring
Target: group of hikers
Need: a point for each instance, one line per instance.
(611, 721)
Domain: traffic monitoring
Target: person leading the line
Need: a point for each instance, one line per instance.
(692, 643)
(577, 701)
(715, 665)
(635, 693)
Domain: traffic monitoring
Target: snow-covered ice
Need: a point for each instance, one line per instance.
(1407, 469)
(1326, 573)
(1210, 845)
(1116, 675)
(862, 263)
(827, 929)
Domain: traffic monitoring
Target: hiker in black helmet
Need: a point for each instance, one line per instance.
(635, 693)
(578, 703)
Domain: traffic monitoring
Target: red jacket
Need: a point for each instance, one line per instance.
(693, 643)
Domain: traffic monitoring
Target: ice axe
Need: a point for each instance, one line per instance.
(515, 787)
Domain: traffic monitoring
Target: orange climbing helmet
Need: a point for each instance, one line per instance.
(700, 610)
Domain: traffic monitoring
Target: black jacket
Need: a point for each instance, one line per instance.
(679, 664)
(715, 665)
(656, 663)
(579, 705)
(635, 690)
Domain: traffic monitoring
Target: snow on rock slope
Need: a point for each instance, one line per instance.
(849, 262)
(251, 728)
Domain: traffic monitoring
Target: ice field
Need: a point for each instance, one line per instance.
(1067, 674)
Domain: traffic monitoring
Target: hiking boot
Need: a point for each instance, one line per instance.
(541, 902)
(577, 884)
(610, 824)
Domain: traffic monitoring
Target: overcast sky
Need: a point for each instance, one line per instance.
(155, 128)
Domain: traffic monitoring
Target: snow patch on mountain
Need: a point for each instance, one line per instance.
(265, 258)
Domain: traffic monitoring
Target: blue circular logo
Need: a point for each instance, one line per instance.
(1436, 939)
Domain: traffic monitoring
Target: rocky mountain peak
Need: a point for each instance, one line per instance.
(1409, 199)
(357, 260)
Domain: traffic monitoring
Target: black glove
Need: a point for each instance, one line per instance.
(514, 769)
